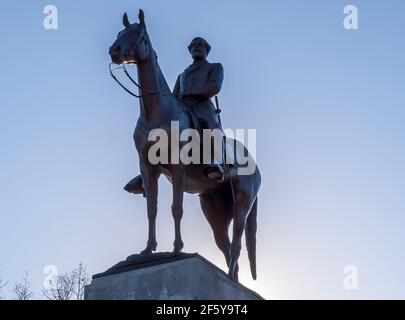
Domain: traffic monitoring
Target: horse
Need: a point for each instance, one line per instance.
(233, 199)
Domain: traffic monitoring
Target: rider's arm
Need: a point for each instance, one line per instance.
(212, 86)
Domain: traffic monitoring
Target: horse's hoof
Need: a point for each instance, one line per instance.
(177, 250)
(178, 247)
(149, 249)
(146, 251)
(233, 276)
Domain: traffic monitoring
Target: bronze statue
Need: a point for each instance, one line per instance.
(225, 197)
(199, 82)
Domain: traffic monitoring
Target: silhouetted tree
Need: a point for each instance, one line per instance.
(3, 284)
(68, 286)
(22, 289)
(81, 280)
(59, 288)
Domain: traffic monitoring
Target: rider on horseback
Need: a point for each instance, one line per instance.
(199, 82)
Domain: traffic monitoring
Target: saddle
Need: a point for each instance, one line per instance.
(195, 122)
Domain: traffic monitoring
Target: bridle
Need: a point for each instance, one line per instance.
(131, 79)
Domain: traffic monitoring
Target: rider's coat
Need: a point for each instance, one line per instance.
(198, 83)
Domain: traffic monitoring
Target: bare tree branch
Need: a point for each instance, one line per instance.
(22, 289)
(3, 284)
(82, 279)
(68, 286)
(60, 288)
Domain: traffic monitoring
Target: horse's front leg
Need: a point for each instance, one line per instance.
(178, 180)
(150, 178)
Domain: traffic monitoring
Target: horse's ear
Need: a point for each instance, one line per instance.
(141, 16)
(125, 20)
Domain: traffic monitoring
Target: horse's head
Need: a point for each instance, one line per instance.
(132, 45)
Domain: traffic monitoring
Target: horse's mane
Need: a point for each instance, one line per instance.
(163, 86)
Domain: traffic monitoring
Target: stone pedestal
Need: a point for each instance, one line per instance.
(166, 276)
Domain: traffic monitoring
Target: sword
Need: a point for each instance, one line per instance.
(218, 111)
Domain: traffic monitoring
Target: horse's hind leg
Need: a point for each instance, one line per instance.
(219, 217)
(241, 212)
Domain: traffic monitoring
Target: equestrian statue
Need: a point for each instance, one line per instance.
(225, 195)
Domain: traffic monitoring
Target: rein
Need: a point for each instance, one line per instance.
(130, 78)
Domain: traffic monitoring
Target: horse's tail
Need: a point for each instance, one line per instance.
(250, 235)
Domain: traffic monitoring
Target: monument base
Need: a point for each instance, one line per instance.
(166, 276)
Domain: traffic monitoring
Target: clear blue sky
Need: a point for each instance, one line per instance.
(328, 105)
